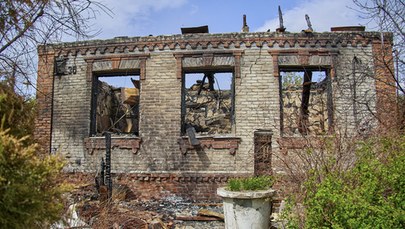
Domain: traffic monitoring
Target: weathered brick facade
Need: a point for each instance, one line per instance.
(160, 155)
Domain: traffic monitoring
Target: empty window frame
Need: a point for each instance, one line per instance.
(306, 101)
(115, 104)
(208, 102)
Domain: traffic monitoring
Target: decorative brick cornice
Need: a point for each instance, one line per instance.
(183, 177)
(230, 143)
(115, 57)
(301, 52)
(217, 41)
(98, 143)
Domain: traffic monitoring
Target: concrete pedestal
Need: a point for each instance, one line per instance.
(247, 209)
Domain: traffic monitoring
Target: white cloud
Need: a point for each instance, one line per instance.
(323, 14)
(130, 16)
(194, 9)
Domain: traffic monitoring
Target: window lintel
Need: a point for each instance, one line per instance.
(208, 61)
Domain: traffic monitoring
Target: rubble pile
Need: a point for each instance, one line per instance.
(209, 111)
(127, 211)
(117, 109)
(317, 107)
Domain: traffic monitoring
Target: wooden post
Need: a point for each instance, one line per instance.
(102, 175)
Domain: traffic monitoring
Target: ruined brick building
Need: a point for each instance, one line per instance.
(188, 111)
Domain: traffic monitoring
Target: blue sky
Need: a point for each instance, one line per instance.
(166, 17)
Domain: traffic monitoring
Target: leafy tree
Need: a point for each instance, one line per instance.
(369, 194)
(16, 112)
(30, 188)
(30, 185)
(291, 79)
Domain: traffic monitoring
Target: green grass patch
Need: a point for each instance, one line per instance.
(250, 183)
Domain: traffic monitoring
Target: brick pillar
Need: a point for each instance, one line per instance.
(386, 106)
(43, 122)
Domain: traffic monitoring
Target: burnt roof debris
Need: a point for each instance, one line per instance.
(245, 27)
(310, 29)
(280, 29)
(199, 29)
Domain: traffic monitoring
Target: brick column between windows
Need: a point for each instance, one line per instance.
(43, 121)
(387, 111)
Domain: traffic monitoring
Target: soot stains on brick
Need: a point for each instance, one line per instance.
(71, 114)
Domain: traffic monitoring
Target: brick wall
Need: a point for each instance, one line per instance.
(150, 185)
(255, 59)
(257, 102)
(354, 90)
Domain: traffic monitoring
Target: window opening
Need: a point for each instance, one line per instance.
(306, 108)
(116, 107)
(208, 102)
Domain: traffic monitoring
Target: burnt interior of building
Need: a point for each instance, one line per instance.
(305, 101)
(208, 102)
(116, 107)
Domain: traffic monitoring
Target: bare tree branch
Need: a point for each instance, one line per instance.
(26, 23)
(390, 16)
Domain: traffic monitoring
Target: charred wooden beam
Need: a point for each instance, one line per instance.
(108, 179)
(280, 18)
(245, 27)
(329, 101)
(308, 22)
(202, 84)
(211, 81)
(102, 172)
(304, 110)
(309, 30)
(197, 218)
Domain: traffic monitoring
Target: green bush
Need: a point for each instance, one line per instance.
(370, 195)
(250, 183)
(16, 113)
(30, 189)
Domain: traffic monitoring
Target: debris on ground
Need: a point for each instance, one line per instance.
(127, 211)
